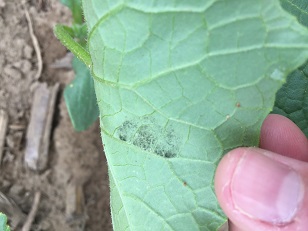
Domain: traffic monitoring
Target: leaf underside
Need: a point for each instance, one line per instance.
(292, 99)
(178, 84)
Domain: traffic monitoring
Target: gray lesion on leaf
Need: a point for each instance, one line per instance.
(146, 134)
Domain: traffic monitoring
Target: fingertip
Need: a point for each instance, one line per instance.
(280, 135)
(260, 190)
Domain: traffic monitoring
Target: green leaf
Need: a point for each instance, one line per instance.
(3, 223)
(179, 83)
(75, 7)
(299, 8)
(80, 98)
(292, 98)
(80, 34)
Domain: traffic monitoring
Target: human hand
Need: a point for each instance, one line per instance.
(266, 188)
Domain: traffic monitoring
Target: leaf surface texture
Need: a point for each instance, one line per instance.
(178, 84)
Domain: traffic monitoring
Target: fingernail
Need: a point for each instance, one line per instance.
(266, 190)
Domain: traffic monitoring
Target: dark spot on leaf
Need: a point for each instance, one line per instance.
(123, 137)
(185, 183)
(124, 130)
(238, 104)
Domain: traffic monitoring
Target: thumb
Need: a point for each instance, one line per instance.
(263, 191)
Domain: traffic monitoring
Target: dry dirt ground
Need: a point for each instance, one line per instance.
(75, 158)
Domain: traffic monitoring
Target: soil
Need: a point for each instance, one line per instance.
(74, 158)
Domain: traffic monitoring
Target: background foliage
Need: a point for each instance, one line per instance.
(3, 221)
(292, 98)
(79, 95)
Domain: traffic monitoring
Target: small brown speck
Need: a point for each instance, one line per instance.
(238, 104)
(184, 183)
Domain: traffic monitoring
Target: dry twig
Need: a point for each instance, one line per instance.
(3, 128)
(35, 45)
(39, 129)
(75, 204)
(31, 216)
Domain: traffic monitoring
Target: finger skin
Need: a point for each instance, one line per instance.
(223, 180)
(282, 136)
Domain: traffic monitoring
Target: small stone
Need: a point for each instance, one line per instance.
(45, 225)
(17, 139)
(17, 190)
(10, 142)
(24, 65)
(8, 157)
(2, 3)
(12, 72)
(27, 51)
(5, 184)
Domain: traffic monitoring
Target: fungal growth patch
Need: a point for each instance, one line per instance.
(146, 134)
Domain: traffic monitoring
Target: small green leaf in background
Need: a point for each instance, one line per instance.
(79, 94)
(3, 223)
(299, 8)
(80, 97)
(75, 6)
(292, 98)
(80, 33)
